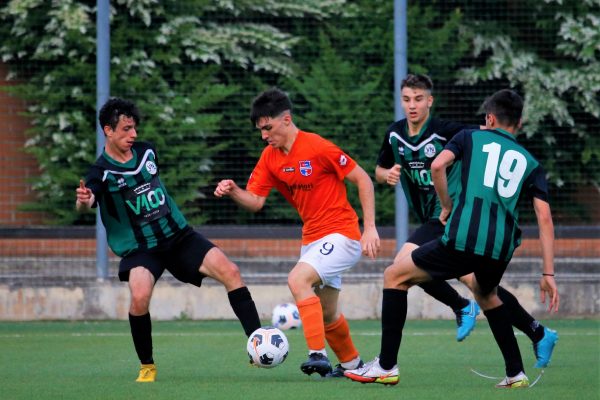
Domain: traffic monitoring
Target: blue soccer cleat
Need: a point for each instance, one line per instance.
(465, 319)
(544, 348)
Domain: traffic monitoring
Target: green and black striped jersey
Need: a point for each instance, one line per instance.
(135, 207)
(415, 155)
(495, 171)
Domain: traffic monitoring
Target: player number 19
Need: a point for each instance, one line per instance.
(509, 172)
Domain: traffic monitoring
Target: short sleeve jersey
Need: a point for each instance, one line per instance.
(495, 171)
(415, 155)
(311, 178)
(135, 208)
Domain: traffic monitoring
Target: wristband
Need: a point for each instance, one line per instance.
(547, 274)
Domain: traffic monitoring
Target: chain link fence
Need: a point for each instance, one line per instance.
(193, 68)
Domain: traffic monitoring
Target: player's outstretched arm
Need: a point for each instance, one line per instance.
(546, 227)
(370, 238)
(85, 197)
(242, 197)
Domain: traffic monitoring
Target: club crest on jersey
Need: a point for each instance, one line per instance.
(429, 150)
(305, 168)
(151, 167)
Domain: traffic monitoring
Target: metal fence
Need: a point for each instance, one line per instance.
(194, 70)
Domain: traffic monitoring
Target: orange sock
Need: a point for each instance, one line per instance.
(311, 315)
(338, 337)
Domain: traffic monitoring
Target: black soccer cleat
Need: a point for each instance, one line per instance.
(318, 363)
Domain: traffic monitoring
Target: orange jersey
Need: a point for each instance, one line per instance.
(311, 178)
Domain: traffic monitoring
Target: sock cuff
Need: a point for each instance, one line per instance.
(308, 301)
(396, 293)
(494, 311)
(239, 294)
(139, 317)
(334, 325)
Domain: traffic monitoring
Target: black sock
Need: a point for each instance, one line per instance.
(141, 332)
(443, 292)
(244, 308)
(499, 320)
(393, 317)
(520, 318)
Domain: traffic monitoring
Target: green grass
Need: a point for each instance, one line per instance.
(207, 360)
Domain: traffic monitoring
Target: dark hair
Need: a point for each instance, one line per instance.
(506, 105)
(418, 81)
(269, 103)
(112, 110)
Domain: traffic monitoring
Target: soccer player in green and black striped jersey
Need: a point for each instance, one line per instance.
(494, 171)
(145, 228)
(406, 154)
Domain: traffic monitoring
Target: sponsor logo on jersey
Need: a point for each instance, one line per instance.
(429, 150)
(289, 169)
(121, 182)
(305, 168)
(401, 150)
(304, 187)
(142, 188)
(416, 164)
(151, 167)
(343, 160)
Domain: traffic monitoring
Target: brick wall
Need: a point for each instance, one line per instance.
(16, 167)
(15, 247)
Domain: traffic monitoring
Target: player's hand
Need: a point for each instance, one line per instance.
(370, 243)
(548, 287)
(393, 175)
(225, 187)
(85, 197)
(445, 214)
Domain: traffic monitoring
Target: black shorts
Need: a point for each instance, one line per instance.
(182, 255)
(430, 230)
(444, 263)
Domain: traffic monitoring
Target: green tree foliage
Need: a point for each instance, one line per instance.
(346, 92)
(559, 76)
(168, 56)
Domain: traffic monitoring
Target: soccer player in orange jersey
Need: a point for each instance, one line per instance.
(309, 171)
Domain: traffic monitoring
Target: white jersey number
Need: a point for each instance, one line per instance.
(510, 172)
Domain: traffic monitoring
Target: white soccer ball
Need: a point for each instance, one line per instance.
(286, 316)
(267, 347)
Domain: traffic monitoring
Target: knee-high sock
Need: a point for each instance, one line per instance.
(338, 337)
(244, 308)
(444, 293)
(311, 315)
(520, 318)
(393, 317)
(141, 332)
(499, 320)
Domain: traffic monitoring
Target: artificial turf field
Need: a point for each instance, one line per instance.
(207, 360)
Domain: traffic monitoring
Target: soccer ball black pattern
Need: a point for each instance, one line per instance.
(267, 347)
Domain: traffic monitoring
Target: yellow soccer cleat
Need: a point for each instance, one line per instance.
(147, 373)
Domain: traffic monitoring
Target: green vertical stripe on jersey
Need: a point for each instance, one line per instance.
(484, 219)
(134, 204)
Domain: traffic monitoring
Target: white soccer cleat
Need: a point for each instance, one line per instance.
(518, 381)
(372, 372)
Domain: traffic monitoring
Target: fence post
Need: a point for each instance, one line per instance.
(102, 95)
